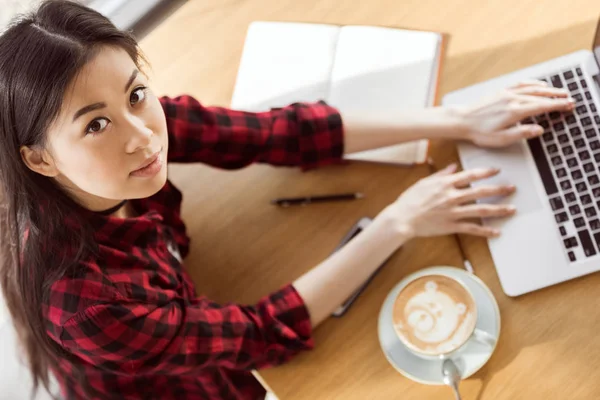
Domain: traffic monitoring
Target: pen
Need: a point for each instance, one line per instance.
(293, 201)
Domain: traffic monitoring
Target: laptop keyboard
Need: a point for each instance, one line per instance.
(567, 156)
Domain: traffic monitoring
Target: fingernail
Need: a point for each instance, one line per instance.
(512, 209)
(495, 232)
(537, 130)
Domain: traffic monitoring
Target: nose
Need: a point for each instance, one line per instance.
(139, 135)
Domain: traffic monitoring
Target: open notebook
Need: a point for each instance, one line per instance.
(365, 70)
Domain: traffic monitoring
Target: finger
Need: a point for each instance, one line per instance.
(464, 178)
(476, 230)
(483, 211)
(513, 134)
(449, 170)
(529, 82)
(541, 91)
(534, 105)
(481, 192)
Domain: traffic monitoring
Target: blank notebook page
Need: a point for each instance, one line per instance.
(284, 63)
(379, 72)
(364, 70)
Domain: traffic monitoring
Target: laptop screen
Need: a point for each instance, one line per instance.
(596, 47)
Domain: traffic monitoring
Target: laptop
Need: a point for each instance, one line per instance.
(555, 235)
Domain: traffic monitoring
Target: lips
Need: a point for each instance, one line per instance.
(149, 161)
(150, 167)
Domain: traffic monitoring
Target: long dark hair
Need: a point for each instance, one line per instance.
(40, 55)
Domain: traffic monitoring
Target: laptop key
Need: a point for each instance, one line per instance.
(589, 167)
(569, 75)
(572, 256)
(595, 224)
(581, 187)
(570, 242)
(590, 212)
(586, 121)
(582, 109)
(572, 162)
(574, 210)
(576, 174)
(586, 242)
(535, 146)
(559, 127)
(571, 120)
(552, 148)
(556, 204)
(561, 172)
(578, 98)
(586, 199)
(561, 217)
(594, 179)
(584, 155)
(583, 84)
(579, 72)
(544, 124)
(590, 133)
(563, 231)
(579, 143)
(597, 119)
(597, 157)
(595, 144)
(556, 82)
(593, 107)
(565, 185)
(596, 193)
(588, 95)
(562, 138)
(570, 197)
(554, 115)
(579, 222)
(527, 121)
(597, 238)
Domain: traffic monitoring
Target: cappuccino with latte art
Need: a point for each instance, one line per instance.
(434, 315)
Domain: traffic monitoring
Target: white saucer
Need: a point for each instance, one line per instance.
(469, 359)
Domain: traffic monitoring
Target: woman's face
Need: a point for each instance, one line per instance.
(109, 142)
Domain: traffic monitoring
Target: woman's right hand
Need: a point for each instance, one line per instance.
(437, 205)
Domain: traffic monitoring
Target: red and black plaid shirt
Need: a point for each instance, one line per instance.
(131, 319)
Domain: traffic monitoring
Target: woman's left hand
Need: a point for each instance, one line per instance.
(491, 123)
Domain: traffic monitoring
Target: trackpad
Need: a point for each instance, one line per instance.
(514, 170)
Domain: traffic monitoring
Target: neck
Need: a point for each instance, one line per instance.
(114, 210)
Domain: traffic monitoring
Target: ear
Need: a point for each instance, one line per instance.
(430, 286)
(39, 160)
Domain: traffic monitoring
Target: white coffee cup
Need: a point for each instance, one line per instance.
(433, 305)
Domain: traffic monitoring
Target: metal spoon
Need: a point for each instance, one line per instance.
(451, 376)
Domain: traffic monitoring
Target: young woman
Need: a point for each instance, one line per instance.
(93, 240)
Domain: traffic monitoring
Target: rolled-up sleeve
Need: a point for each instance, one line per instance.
(308, 135)
(179, 338)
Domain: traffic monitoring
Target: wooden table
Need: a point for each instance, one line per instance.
(243, 248)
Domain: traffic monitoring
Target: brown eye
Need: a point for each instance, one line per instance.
(138, 95)
(96, 126)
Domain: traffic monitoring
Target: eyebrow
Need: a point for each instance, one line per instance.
(97, 106)
(87, 109)
(131, 79)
